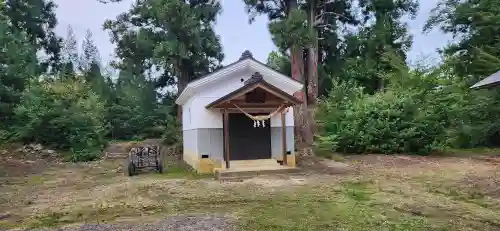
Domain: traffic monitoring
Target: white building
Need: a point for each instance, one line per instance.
(220, 130)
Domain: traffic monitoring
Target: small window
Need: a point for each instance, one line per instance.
(204, 156)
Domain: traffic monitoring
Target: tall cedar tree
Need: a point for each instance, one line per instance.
(38, 20)
(174, 37)
(289, 32)
(17, 65)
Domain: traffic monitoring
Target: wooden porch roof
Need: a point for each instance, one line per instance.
(256, 82)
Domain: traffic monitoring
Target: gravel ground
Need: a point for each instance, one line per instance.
(178, 223)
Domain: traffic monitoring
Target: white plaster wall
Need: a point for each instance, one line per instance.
(187, 116)
(195, 115)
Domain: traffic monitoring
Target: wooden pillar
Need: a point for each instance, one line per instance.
(226, 136)
(283, 135)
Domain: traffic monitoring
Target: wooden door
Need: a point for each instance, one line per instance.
(247, 142)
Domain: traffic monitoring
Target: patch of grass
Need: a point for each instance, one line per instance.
(472, 152)
(470, 195)
(337, 157)
(96, 214)
(358, 191)
(306, 211)
(184, 172)
(5, 225)
(52, 219)
(35, 180)
(328, 154)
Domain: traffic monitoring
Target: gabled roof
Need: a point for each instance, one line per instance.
(490, 81)
(245, 62)
(256, 81)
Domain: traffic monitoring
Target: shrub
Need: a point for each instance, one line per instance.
(172, 133)
(420, 117)
(388, 122)
(64, 114)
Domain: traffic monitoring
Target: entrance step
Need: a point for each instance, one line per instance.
(248, 172)
(254, 163)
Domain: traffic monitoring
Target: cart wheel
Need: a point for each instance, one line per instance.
(131, 169)
(159, 166)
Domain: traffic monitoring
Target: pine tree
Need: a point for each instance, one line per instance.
(38, 20)
(90, 53)
(17, 65)
(69, 54)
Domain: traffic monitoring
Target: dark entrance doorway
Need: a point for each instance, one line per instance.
(247, 142)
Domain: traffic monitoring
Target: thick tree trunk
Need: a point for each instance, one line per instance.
(303, 133)
(312, 71)
(312, 58)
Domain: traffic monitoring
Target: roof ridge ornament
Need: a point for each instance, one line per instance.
(256, 77)
(246, 54)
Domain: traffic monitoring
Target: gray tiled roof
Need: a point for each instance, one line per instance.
(491, 80)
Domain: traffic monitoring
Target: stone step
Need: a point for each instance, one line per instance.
(254, 163)
(245, 173)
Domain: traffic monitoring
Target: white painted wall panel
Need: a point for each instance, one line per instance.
(187, 115)
(276, 119)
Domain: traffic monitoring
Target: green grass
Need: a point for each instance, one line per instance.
(181, 171)
(343, 211)
(357, 191)
(472, 152)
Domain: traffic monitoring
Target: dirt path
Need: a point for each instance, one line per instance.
(177, 223)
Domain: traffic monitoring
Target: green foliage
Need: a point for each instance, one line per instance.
(421, 112)
(17, 66)
(38, 20)
(133, 111)
(280, 62)
(172, 131)
(176, 37)
(388, 122)
(69, 54)
(475, 26)
(90, 54)
(64, 114)
(291, 31)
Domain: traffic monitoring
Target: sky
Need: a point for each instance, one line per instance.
(237, 35)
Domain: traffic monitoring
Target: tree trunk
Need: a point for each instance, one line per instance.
(312, 71)
(303, 133)
(312, 58)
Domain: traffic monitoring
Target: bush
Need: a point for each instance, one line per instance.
(172, 133)
(65, 115)
(419, 118)
(388, 122)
